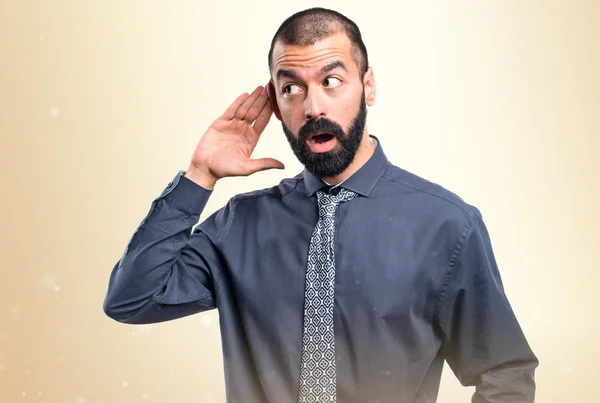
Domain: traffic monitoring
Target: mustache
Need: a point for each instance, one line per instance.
(321, 124)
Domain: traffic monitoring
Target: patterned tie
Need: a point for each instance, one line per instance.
(317, 369)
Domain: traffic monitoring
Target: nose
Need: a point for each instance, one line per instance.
(314, 105)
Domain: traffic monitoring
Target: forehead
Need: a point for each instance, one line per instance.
(334, 47)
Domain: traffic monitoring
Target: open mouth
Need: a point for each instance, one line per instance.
(320, 137)
(321, 142)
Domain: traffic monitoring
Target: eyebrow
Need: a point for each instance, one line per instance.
(286, 73)
(327, 68)
(334, 65)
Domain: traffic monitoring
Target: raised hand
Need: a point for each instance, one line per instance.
(226, 146)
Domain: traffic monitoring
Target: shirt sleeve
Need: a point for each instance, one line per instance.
(482, 340)
(166, 271)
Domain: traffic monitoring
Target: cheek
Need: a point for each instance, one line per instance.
(292, 116)
(343, 113)
(345, 104)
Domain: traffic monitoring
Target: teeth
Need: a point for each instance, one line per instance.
(312, 141)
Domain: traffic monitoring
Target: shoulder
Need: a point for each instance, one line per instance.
(283, 188)
(240, 205)
(427, 196)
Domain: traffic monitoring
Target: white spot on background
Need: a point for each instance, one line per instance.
(49, 282)
(54, 111)
(41, 38)
(145, 396)
(125, 384)
(206, 320)
(567, 370)
(81, 400)
(14, 312)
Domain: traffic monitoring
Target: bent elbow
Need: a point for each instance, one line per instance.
(112, 311)
(120, 312)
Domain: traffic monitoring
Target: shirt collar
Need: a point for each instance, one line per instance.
(362, 181)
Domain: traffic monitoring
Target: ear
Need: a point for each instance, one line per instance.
(273, 99)
(369, 87)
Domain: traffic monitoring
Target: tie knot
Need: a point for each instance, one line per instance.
(328, 202)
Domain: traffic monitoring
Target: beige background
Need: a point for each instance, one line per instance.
(102, 102)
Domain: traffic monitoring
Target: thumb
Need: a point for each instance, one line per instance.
(262, 164)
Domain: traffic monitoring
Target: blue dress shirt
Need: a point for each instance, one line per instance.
(416, 284)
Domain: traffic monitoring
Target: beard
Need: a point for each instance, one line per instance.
(333, 162)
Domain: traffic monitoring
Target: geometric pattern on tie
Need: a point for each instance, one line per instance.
(317, 367)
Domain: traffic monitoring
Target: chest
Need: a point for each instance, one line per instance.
(386, 265)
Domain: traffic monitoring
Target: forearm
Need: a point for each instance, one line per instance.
(512, 382)
(144, 277)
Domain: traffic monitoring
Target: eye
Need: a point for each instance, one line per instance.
(291, 89)
(332, 82)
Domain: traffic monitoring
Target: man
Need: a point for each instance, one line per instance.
(352, 281)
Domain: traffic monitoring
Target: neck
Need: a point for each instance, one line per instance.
(364, 152)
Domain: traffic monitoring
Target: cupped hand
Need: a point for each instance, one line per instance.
(226, 147)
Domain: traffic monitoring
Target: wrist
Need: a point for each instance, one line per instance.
(201, 177)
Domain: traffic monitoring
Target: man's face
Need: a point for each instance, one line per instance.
(321, 99)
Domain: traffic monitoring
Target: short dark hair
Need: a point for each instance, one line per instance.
(307, 27)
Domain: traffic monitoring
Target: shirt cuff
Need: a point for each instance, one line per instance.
(186, 195)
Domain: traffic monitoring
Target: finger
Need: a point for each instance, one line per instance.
(257, 106)
(241, 111)
(262, 164)
(230, 111)
(263, 118)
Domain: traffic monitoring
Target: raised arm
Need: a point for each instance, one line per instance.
(167, 271)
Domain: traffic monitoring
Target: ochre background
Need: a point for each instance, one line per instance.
(102, 102)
